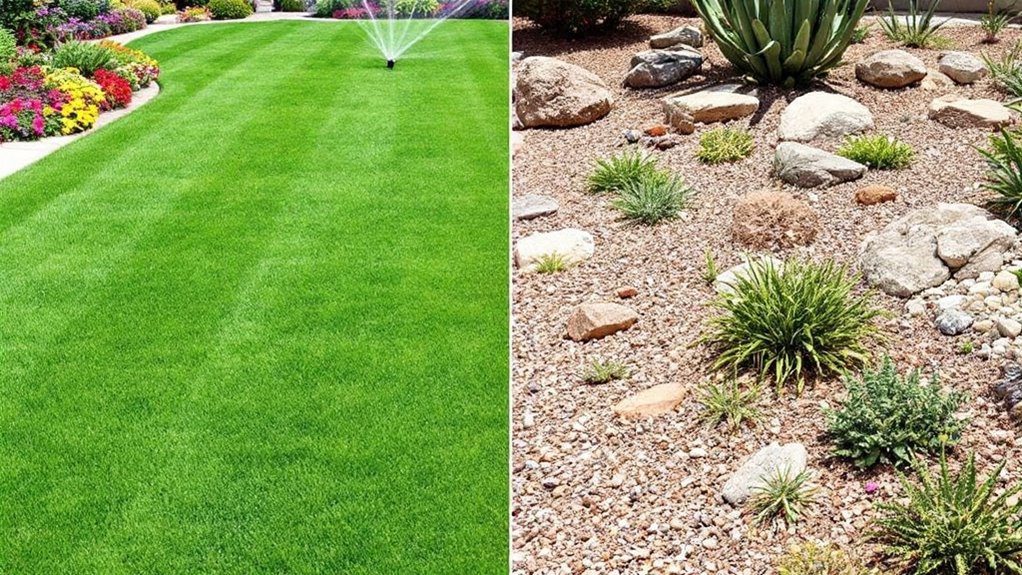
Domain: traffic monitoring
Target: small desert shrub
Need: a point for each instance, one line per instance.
(784, 496)
(87, 57)
(612, 174)
(994, 21)
(727, 402)
(724, 145)
(1007, 71)
(551, 263)
(604, 372)
(860, 34)
(574, 17)
(652, 199)
(954, 524)
(877, 152)
(229, 9)
(1004, 174)
(811, 558)
(787, 322)
(916, 29)
(888, 418)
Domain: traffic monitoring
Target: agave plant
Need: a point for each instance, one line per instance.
(783, 42)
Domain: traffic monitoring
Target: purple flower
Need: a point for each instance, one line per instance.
(871, 487)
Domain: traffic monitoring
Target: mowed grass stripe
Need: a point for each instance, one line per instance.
(241, 408)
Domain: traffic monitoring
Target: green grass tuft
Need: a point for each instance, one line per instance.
(916, 28)
(551, 263)
(877, 152)
(613, 174)
(604, 372)
(1004, 174)
(724, 145)
(784, 497)
(652, 199)
(726, 402)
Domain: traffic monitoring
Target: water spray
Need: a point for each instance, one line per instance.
(393, 32)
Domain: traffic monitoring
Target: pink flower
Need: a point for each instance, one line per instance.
(871, 487)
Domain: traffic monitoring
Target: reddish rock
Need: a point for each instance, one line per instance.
(596, 320)
(656, 400)
(875, 194)
(656, 131)
(627, 292)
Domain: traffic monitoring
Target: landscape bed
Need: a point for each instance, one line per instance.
(258, 325)
(594, 492)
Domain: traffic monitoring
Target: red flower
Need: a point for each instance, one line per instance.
(116, 88)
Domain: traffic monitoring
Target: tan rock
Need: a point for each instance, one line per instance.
(554, 93)
(656, 400)
(936, 80)
(890, 69)
(875, 194)
(958, 112)
(596, 320)
(716, 104)
(768, 219)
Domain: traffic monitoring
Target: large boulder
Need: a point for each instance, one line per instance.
(572, 245)
(657, 68)
(716, 104)
(597, 320)
(755, 471)
(553, 93)
(769, 219)
(924, 248)
(959, 112)
(823, 115)
(685, 35)
(808, 167)
(962, 67)
(891, 69)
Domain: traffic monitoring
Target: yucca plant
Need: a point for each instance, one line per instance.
(1004, 176)
(1007, 71)
(954, 524)
(782, 42)
(784, 496)
(917, 30)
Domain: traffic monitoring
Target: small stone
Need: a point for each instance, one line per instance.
(875, 194)
(953, 322)
(753, 472)
(571, 244)
(656, 400)
(891, 69)
(597, 320)
(950, 301)
(697, 452)
(962, 67)
(627, 292)
(915, 308)
(617, 480)
(983, 325)
(1008, 327)
(1005, 281)
(533, 206)
(808, 167)
(658, 68)
(632, 136)
(687, 35)
(656, 131)
(714, 104)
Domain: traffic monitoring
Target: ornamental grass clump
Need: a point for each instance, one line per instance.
(86, 57)
(612, 174)
(600, 372)
(877, 152)
(916, 29)
(889, 418)
(811, 558)
(789, 321)
(782, 42)
(722, 145)
(1004, 174)
(783, 497)
(652, 198)
(953, 524)
(1007, 70)
(728, 402)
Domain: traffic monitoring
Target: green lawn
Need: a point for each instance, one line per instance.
(260, 324)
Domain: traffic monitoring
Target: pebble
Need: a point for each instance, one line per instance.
(1008, 327)
(697, 453)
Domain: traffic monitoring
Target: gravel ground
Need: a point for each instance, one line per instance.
(593, 493)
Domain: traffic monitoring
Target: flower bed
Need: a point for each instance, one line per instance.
(39, 99)
(44, 26)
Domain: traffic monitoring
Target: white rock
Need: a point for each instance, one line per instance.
(823, 115)
(1008, 327)
(754, 471)
(715, 104)
(532, 206)
(688, 35)
(808, 167)
(1006, 281)
(962, 67)
(891, 69)
(951, 301)
(959, 112)
(571, 244)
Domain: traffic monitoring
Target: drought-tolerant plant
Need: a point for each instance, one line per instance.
(724, 145)
(604, 372)
(229, 9)
(574, 17)
(783, 496)
(994, 21)
(878, 152)
(1007, 71)
(861, 33)
(1004, 175)
(783, 42)
(953, 524)
(787, 322)
(710, 272)
(967, 347)
(652, 198)
(612, 174)
(551, 263)
(86, 57)
(726, 402)
(889, 418)
(916, 29)
(811, 558)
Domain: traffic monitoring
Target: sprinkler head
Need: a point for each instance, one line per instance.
(390, 64)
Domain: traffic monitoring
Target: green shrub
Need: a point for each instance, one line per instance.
(1007, 72)
(678, 7)
(785, 323)
(954, 524)
(168, 9)
(604, 372)
(790, 43)
(811, 558)
(326, 8)
(1004, 175)
(81, 9)
(652, 198)
(916, 29)
(289, 5)
(724, 145)
(574, 17)
(888, 418)
(783, 496)
(11, 11)
(878, 152)
(612, 174)
(416, 8)
(8, 51)
(727, 402)
(87, 57)
(229, 9)
(150, 8)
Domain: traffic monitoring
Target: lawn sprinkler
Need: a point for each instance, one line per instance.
(390, 64)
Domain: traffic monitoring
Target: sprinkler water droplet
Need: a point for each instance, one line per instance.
(390, 64)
